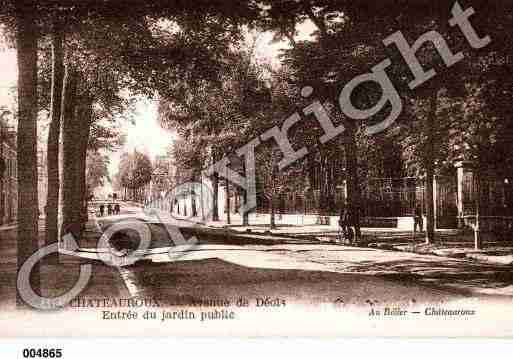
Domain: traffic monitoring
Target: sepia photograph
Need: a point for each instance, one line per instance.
(234, 168)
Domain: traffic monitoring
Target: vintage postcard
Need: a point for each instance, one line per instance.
(240, 168)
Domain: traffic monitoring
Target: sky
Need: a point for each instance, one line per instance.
(145, 135)
(8, 75)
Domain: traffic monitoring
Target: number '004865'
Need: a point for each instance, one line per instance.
(42, 353)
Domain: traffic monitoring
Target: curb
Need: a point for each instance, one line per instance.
(8, 227)
(226, 236)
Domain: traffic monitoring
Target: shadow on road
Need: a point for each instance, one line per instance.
(185, 283)
(443, 272)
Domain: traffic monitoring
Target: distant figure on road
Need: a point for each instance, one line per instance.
(117, 209)
(109, 209)
(418, 221)
(346, 222)
(102, 210)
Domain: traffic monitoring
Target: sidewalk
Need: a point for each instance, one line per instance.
(105, 281)
(449, 243)
(205, 234)
(493, 252)
(260, 224)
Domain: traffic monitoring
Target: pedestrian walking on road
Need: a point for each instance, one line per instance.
(345, 223)
(109, 209)
(117, 209)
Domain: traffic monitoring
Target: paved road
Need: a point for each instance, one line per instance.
(298, 273)
(313, 273)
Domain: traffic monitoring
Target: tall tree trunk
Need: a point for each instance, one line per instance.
(332, 185)
(245, 214)
(52, 201)
(478, 243)
(228, 204)
(85, 121)
(27, 232)
(194, 207)
(271, 199)
(323, 205)
(353, 188)
(70, 163)
(215, 189)
(430, 167)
